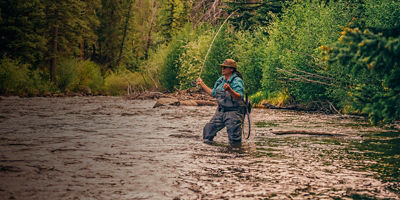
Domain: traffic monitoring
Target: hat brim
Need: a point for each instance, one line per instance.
(222, 65)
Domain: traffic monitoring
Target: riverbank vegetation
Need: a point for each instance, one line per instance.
(342, 54)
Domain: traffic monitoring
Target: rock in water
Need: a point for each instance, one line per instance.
(166, 101)
(188, 103)
(205, 103)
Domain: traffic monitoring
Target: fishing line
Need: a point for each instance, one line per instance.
(209, 49)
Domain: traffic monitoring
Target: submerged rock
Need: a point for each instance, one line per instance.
(188, 103)
(166, 101)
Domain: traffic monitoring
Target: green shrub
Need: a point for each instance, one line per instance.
(38, 83)
(116, 83)
(192, 59)
(17, 79)
(13, 76)
(383, 14)
(251, 53)
(152, 67)
(170, 69)
(67, 74)
(293, 57)
(258, 98)
(89, 76)
(374, 68)
(221, 49)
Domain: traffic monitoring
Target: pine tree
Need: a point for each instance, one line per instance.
(22, 28)
(67, 26)
(253, 13)
(109, 32)
(174, 15)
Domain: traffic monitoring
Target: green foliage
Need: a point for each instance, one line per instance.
(79, 76)
(383, 14)
(170, 69)
(22, 26)
(252, 15)
(67, 74)
(372, 61)
(13, 76)
(174, 16)
(251, 52)
(152, 66)
(116, 83)
(257, 98)
(221, 49)
(192, 59)
(89, 76)
(17, 79)
(293, 60)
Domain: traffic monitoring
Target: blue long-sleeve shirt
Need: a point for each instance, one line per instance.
(237, 85)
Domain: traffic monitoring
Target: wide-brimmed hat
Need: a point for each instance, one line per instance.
(229, 63)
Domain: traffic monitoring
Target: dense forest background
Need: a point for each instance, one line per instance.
(340, 54)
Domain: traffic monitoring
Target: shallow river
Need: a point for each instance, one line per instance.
(112, 148)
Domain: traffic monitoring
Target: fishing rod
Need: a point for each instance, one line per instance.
(247, 102)
(212, 42)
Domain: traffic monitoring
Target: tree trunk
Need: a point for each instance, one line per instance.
(53, 65)
(93, 57)
(148, 43)
(82, 50)
(125, 29)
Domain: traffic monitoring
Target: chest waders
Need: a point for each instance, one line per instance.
(230, 114)
(243, 105)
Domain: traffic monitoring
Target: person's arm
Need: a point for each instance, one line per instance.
(234, 94)
(200, 82)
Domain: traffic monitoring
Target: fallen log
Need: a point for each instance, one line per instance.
(301, 132)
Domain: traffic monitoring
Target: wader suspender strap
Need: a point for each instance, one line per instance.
(246, 101)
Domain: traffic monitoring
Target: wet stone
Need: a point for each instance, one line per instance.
(166, 101)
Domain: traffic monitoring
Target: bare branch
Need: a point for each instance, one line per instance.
(301, 78)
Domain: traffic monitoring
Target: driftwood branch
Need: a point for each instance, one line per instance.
(301, 132)
(333, 107)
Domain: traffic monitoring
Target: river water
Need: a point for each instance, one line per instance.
(113, 148)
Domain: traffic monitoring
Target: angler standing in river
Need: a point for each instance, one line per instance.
(229, 91)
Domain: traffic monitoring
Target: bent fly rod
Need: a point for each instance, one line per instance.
(212, 42)
(247, 103)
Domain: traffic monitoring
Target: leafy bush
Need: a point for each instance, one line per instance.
(383, 14)
(13, 76)
(186, 56)
(17, 79)
(67, 74)
(89, 76)
(116, 83)
(170, 69)
(221, 49)
(192, 59)
(293, 58)
(153, 65)
(250, 50)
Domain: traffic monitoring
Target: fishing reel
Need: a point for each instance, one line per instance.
(194, 83)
